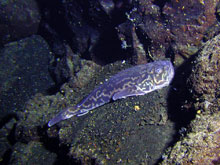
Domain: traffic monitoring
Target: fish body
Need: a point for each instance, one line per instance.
(134, 81)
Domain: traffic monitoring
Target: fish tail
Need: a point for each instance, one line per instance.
(64, 114)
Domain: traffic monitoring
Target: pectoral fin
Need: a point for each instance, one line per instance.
(126, 93)
(82, 113)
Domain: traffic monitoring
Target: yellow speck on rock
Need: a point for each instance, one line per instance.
(137, 108)
(199, 111)
(202, 2)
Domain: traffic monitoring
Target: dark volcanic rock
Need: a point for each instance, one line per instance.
(131, 130)
(32, 153)
(134, 130)
(202, 142)
(205, 80)
(19, 19)
(189, 22)
(173, 28)
(6, 140)
(88, 27)
(116, 133)
(23, 72)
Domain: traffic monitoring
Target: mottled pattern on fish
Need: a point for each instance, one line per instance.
(138, 80)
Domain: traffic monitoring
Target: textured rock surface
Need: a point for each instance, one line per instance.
(139, 31)
(206, 77)
(111, 133)
(23, 72)
(19, 19)
(32, 153)
(133, 130)
(173, 28)
(201, 144)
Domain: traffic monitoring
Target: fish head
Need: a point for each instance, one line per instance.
(162, 73)
(63, 115)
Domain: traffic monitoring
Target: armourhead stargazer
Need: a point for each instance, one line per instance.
(134, 81)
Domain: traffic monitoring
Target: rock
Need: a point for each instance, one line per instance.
(200, 145)
(88, 27)
(174, 29)
(115, 132)
(23, 72)
(205, 79)
(6, 139)
(19, 19)
(32, 153)
(202, 142)
(110, 131)
(189, 22)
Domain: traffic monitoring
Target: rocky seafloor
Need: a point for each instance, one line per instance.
(201, 145)
(69, 48)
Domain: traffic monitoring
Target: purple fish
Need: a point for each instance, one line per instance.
(134, 81)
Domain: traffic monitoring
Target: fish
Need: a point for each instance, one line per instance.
(134, 81)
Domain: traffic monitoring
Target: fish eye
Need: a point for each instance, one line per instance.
(158, 70)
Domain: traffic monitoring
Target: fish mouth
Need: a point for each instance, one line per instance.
(56, 119)
(64, 114)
